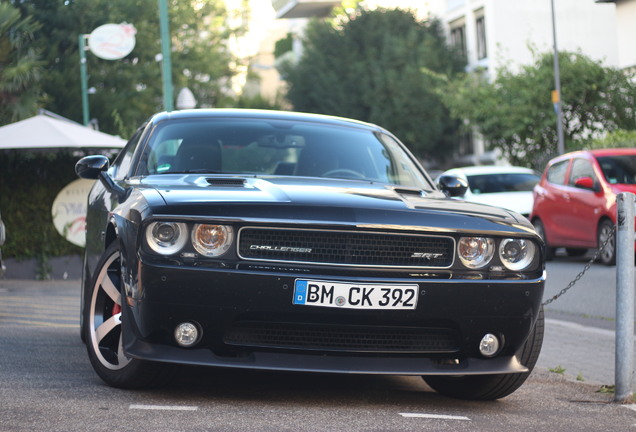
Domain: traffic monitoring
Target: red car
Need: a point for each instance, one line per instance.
(575, 200)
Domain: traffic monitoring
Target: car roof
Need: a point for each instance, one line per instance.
(261, 114)
(490, 169)
(595, 153)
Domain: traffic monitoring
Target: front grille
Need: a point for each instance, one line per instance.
(345, 248)
(364, 339)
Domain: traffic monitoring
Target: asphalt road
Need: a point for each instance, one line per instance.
(47, 384)
(591, 301)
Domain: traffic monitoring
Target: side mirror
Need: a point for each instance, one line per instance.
(584, 183)
(452, 186)
(95, 168)
(90, 167)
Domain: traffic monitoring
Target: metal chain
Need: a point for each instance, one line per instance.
(586, 268)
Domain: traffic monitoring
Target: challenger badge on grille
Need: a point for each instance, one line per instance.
(280, 248)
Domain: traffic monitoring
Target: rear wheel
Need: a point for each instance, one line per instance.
(103, 329)
(490, 387)
(607, 254)
(540, 229)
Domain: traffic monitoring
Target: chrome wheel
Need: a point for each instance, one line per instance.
(105, 336)
(104, 330)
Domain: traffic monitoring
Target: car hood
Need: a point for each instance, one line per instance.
(322, 200)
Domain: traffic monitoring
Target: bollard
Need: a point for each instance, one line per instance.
(624, 297)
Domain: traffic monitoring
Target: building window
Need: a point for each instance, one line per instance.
(480, 27)
(458, 37)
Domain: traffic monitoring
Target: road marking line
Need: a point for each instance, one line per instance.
(28, 299)
(163, 407)
(39, 323)
(33, 305)
(434, 416)
(629, 406)
(49, 317)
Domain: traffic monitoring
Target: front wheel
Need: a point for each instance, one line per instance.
(540, 229)
(491, 387)
(103, 329)
(606, 237)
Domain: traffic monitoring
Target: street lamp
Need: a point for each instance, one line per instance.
(166, 65)
(556, 94)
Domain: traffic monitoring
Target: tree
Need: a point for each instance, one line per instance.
(20, 65)
(615, 139)
(514, 113)
(129, 90)
(369, 67)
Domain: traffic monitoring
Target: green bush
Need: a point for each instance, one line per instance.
(616, 139)
(29, 183)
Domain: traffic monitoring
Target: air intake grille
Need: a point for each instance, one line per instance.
(345, 248)
(226, 182)
(342, 338)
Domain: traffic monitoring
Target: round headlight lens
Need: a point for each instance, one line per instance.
(517, 254)
(166, 238)
(475, 252)
(212, 240)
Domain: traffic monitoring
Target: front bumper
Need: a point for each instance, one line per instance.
(447, 325)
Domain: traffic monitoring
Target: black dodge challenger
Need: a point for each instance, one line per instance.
(287, 241)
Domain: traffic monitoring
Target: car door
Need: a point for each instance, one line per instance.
(584, 205)
(550, 205)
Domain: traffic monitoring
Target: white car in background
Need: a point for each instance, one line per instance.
(508, 187)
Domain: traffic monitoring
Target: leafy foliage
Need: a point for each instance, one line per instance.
(515, 114)
(129, 90)
(370, 67)
(20, 65)
(616, 139)
(26, 210)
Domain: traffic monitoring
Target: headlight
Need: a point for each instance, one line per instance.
(212, 240)
(166, 238)
(475, 252)
(517, 254)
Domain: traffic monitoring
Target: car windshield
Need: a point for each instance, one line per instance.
(502, 182)
(276, 147)
(619, 169)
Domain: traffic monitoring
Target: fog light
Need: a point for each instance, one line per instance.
(187, 334)
(489, 345)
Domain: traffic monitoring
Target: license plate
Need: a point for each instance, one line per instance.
(355, 296)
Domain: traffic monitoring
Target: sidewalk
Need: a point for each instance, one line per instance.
(585, 352)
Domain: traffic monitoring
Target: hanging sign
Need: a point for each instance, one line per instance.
(112, 41)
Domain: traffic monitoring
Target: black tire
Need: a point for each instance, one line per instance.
(539, 228)
(103, 333)
(608, 255)
(575, 252)
(491, 387)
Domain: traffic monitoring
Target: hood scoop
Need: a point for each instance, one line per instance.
(226, 182)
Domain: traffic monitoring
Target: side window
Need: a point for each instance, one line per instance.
(121, 166)
(581, 168)
(556, 173)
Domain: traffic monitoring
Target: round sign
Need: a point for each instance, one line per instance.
(112, 41)
(69, 211)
